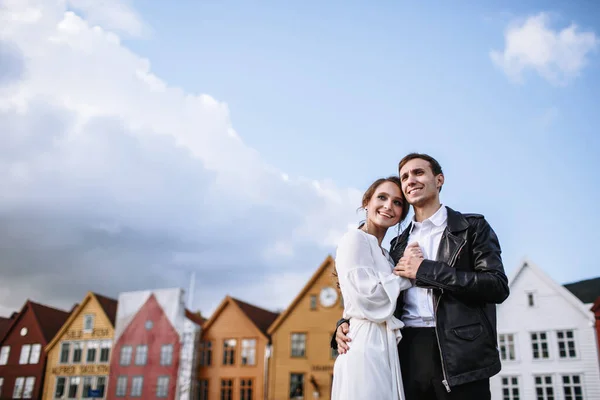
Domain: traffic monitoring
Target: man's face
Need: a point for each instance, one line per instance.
(419, 184)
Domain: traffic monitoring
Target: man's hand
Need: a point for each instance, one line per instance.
(342, 339)
(409, 264)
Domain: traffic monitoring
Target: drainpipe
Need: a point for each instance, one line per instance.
(266, 372)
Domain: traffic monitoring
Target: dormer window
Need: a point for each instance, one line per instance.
(88, 323)
(530, 299)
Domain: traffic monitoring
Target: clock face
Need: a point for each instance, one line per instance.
(328, 296)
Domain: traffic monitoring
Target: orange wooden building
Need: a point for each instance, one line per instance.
(233, 351)
(301, 365)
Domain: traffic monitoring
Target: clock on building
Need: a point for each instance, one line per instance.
(328, 296)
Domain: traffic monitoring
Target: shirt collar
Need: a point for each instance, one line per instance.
(438, 219)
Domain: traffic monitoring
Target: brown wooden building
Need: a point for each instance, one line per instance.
(22, 355)
(79, 353)
(233, 352)
(301, 365)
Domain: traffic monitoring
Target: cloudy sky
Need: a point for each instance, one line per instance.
(141, 141)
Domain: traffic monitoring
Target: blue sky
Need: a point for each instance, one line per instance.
(235, 139)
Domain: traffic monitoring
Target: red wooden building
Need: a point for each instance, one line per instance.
(22, 355)
(148, 346)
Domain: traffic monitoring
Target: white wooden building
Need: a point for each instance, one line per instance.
(547, 342)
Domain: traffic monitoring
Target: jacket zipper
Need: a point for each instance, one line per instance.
(445, 380)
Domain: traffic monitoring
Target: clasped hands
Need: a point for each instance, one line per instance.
(407, 267)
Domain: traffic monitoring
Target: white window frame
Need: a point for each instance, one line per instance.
(141, 354)
(65, 388)
(79, 345)
(105, 344)
(1, 385)
(19, 386)
(128, 358)
(572, 385)
(137, 386)
(503, 340)
(121, 389)
(36, 352)
(86, 319)
(28, 387)
(539, 342)
(68, 345)
(162, 386)
(92, 345)
(248, 352)
(4, 354)
(166, 354)
(566, 341)
(76, 379)
(544, 385)
(297, 335)
(24, 356)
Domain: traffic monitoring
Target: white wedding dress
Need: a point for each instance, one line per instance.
(371, 368)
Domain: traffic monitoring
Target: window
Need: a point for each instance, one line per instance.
(34, 357)
(136, 386)
(298, 344)
(125, 358)
(4, 352)
(105, 346)
(246, 386)
(166, 354)
(296, 386)
(510, 388)
(73, 387)
(1, 384)
(572, 388)
(59, 389)
(530, 300)
(543, 388)
(87, 386)
(539, 345)
(313, 301)
(77, 352)
(101, 385)
(229, 351)
(205, 353)
(25, 350)
(121, 386)
(566, 344)
(18, 390)
(507, 347)
(64, 353)
(29, 384)
(248, 351)
(162, 386)
(203, 389)
(226, 389)
(88, 323)
(141, 354)
(92, 350)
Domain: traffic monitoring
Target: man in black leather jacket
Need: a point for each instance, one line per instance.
(449, 346)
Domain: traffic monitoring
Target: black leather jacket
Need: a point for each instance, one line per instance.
(467, 281)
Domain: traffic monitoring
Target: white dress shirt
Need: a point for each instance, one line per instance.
(418, 302)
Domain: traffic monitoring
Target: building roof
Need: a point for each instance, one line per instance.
(587, 290)
(196, 317)
(5, 324)
(109, 306)
(262, 318)
(49, 319)
(259, 317)
(329, 262)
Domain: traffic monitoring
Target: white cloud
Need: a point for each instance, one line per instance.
(113, 15)
(113, 180)
(557, 56)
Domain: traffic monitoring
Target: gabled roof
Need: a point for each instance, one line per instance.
(5, 324)
(106, 305)
(261, 318)
(328, 263)
(196, 317)
(587, 290)
(49, 319)
(567, 295)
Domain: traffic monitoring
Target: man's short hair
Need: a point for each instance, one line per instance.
(436, 168)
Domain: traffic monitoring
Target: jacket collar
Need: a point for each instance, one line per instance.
(456, 223)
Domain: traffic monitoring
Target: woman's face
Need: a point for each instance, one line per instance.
(385, 206)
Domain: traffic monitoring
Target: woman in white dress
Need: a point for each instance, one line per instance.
(370, 369)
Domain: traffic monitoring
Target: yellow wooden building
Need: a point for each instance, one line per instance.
(79, 354)
(301, 365)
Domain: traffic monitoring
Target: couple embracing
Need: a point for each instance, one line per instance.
(419, 320)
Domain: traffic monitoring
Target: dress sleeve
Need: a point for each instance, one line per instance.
(371, 293)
